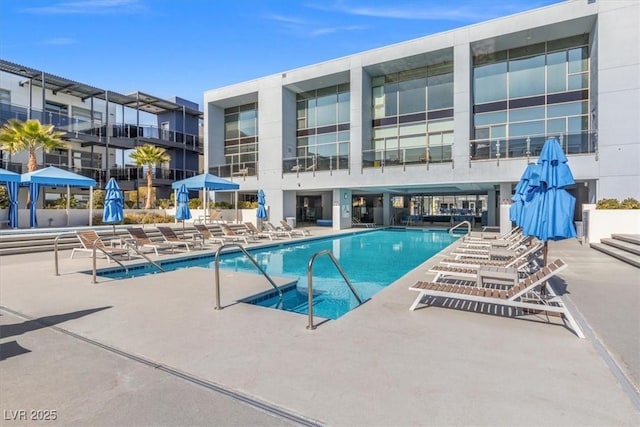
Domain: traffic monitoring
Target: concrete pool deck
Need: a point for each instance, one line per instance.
(153, 351)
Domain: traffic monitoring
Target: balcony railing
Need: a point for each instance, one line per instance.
(406, 156)
(97, 128)
(321, 157)
(243, 169)
(529, 146)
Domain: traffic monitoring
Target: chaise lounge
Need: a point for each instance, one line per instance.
(526, 294)
(89, 238)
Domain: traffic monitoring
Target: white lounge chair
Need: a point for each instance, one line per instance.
(525, 294)
(142, 241)
(89, 238)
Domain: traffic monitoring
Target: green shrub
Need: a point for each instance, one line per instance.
(195, 203)
(98, 199)
(221, 205)
(248, 205)
(139, 218)
(630, 203)
(4, 197)
(608, 204)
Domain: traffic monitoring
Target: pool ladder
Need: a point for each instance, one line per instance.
(244, 251)
(467, 223)
(311, 326)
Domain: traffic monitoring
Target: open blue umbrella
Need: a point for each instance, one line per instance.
(113, 204)
(182, 209)
(261, 212)
(548, 211)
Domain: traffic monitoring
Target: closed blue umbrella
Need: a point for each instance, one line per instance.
(549, 207)
(523, 188)
(182, 210)
(113, 204)
(261, 212)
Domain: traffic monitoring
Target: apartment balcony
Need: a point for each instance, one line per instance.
(123, 135)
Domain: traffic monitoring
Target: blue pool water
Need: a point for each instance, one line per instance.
(371, 260)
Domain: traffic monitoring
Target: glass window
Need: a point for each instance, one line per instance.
(557, 126)
(490, 83)
(527, 77)
(568, 109)
(440, 92)
(344, 107)
(527, 128)
(442, 125)
(557, 72)
(523, 114)
(490, 118)
(412, 96)
(412, 141)
(390, 99)
(231, 126)
(578, 60)
(378, 102)
(413, 129)
(578, 81)
(326, 110)
(247, 123)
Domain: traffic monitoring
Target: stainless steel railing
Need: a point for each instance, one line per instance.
(310, 280)
(467, 223)
(244, 251)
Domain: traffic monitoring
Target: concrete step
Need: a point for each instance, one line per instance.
(622, 245)
(620, 254)
(629, 238)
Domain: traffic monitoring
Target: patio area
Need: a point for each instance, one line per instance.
(153, 351)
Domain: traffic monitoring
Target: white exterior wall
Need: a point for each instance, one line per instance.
(612, 172)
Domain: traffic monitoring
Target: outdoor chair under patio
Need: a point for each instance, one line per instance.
(170, 236)
(142, 241)
(89, 237)
(526, 295)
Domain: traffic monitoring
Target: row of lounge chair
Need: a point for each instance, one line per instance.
(489, 275)
(217, 234)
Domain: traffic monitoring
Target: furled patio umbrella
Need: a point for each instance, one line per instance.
(113, 204)
(182, 209)
(549, 211)
(261, 212)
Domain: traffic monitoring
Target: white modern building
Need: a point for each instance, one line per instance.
(442, 125)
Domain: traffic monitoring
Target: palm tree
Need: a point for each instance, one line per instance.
(149, 155)
(31, 136)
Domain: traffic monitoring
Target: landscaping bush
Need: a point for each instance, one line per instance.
(628, 203)
(140, 218)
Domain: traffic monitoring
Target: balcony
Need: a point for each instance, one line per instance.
(96, 128)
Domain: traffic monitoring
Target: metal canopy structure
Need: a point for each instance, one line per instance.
(136, 100)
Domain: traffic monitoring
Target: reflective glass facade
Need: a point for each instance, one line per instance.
(241, 139)
(322, 130)
(521, 96)
(412, 117)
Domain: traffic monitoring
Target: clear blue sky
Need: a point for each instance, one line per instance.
(185, 47)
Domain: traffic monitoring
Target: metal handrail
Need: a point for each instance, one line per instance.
(244, 251)
(310, 280)
(94, 247)
(460, 225)
(133, 247)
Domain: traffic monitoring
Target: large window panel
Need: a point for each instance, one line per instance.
(490, 83)
(557, 72)
(490, 118)
(527, 128)
(344, 107)
(527, 77)
(523, 114)
(326, 110)
(391, 99)
(440, 92)
(247, 123)
(412, 96)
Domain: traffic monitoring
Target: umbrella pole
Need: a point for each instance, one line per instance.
(545, 250)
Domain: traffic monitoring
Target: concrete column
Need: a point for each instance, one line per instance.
(505, 204)
(341, 212)
(491, 208)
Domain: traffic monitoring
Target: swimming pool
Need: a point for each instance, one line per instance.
(372, 260)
